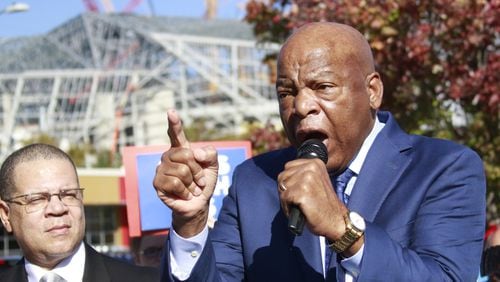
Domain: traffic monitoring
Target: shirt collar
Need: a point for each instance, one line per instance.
(69, 268)
(358, 161)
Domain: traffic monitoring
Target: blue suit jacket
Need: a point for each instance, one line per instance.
(423, 200)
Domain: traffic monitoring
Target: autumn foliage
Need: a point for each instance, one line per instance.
(439, 60)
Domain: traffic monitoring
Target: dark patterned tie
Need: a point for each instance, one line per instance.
(340, 184)
(52, 277)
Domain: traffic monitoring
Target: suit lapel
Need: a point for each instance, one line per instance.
(386, 161)
(95, 270)
(17, 273)
(21, 272)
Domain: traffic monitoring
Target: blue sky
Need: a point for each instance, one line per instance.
(45, 15)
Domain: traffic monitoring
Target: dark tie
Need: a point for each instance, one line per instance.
(52, 277)
(340, 184)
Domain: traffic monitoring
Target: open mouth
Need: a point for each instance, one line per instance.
(303, 136)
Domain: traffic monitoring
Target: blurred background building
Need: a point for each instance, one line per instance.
(106, 81)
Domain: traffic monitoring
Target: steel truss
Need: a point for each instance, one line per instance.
(107, 80)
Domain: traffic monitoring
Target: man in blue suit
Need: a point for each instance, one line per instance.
(413, 208)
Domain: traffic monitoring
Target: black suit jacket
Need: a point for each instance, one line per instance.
(98, 268)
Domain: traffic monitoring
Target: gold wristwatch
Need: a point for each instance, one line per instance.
(354, 229)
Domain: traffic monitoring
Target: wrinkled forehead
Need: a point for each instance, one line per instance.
(300, 52)
(301, 60)
(334, 41)
(44, 175)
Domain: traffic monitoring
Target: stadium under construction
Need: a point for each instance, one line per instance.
(107, 79)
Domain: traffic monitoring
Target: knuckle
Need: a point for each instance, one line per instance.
(184, 171)
(185, 154)
(177, 185)
(308, 176)
(160, 193)
(166, 156)
(211, 151)
(159, 182)
(156, 183)
(192, 186)
(158, 169)
(179, 154)
(198, 173)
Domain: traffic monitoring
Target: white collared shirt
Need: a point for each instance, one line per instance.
(359, 160)
(352, 265)
(70, 268)
(184, 253)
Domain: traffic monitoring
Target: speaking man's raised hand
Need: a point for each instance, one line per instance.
(185, 180)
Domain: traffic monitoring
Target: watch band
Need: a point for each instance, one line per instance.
(351, 235)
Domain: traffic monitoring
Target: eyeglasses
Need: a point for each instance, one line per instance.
(34, 202)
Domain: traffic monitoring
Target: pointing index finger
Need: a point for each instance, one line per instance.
(175, 130)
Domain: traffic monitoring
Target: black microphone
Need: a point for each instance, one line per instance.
(310, 149)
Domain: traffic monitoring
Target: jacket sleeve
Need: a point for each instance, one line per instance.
(225, 264)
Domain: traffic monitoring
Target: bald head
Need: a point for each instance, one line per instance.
(347, 43)
(33, 152)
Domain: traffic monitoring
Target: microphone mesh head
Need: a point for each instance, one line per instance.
(313, 148)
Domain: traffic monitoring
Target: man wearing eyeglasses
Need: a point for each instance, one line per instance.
(41, 204)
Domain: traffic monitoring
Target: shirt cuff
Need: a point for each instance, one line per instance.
(352, 264)
(184, 252)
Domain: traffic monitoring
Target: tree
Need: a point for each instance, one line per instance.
(265, 138)
(439, 60)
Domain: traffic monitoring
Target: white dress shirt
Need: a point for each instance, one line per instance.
(70, 268)
(352, 265)
(184, 253)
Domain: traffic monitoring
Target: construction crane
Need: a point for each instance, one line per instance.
(211, 9)
(92, 6)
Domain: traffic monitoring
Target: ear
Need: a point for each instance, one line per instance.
(375, 90)
(4, 216)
